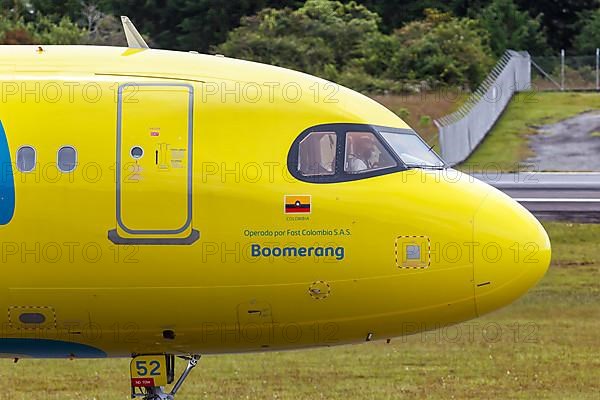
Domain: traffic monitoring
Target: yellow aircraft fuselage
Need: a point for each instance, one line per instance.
(150, 204)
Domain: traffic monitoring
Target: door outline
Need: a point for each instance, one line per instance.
(190, 158)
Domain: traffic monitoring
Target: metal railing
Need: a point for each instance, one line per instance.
(461, 131)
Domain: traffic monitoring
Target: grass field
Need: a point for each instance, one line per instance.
(505, 147)
(545, 346)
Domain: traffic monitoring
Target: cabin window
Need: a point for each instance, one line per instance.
(26, 159)
(136, 152)
(317, 153)
(365, 153)
(66, 159)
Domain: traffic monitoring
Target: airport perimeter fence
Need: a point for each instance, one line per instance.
(461, 131)
(565, 71)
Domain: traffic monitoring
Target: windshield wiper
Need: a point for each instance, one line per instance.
(425, 166)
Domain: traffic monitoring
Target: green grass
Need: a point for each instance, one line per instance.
(506, 146)
(545, 346)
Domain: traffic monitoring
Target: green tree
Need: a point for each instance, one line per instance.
(588, 40)
(188, 24)
(560, 18)
(45, 31)
(58, 9)
(14, 9)
(443, 49)
(266, 38)
(323, 37)
(40, 31)
(511, 28)
(396, 14)
(342, 42)
(14, 31)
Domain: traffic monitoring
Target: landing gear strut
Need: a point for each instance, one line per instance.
(152, 371)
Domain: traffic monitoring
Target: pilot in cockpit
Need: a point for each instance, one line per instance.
(361, 152)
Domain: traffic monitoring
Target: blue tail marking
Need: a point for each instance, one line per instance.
(7, 181)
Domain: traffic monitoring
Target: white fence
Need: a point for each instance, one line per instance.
(461, 131)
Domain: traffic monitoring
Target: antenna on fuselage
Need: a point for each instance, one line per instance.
(134, 39)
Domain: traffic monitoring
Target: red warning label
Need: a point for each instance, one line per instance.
(142, 382)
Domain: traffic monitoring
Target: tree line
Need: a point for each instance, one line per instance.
(369, 45)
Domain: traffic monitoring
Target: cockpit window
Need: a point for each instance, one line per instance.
(365, 153)
(413, 151)
(344, 152)
(317, 153)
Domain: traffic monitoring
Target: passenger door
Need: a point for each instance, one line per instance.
(154, 163)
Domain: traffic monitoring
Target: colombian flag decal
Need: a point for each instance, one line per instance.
(297, 204)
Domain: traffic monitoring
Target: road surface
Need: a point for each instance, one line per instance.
(572, 144)
(555, 196)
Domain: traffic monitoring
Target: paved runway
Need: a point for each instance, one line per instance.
(556, 196)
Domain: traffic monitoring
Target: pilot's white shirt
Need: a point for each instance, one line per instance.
(356, 165)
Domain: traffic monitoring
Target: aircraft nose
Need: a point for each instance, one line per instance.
(511, 252)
